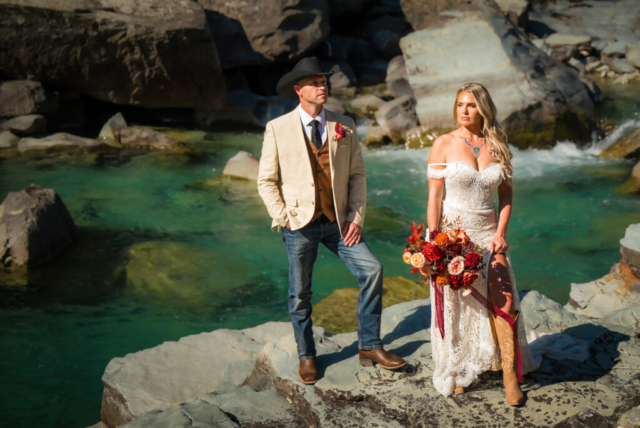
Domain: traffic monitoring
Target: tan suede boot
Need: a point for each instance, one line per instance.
(458, 390)
(509, 361)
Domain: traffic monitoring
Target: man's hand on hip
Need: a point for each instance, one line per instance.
(351, 233)
(288, 226)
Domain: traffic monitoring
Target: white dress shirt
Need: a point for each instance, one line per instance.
(306, 123)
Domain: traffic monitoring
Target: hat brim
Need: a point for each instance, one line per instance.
(286, 82)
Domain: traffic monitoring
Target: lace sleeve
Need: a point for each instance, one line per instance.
(436, 173)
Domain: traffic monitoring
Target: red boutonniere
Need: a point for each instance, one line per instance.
(341, 132)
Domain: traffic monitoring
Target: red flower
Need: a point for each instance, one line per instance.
(457, 281)
(340, 132)
(433, 233)
(415, 270)
(472, 261)
(433, 253)
(440, 266)
(469, 278)
(416, 233)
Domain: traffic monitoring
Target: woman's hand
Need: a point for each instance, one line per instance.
(498, 245)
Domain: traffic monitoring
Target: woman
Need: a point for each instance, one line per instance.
(466, 169)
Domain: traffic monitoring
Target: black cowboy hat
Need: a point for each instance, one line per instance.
(306, 67)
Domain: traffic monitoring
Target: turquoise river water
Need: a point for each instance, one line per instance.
(160, 257)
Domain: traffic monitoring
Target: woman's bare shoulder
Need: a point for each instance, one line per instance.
(442, 143)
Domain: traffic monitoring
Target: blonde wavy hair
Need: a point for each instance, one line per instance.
(497, 141)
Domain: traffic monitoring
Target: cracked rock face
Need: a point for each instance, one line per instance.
(150, 54)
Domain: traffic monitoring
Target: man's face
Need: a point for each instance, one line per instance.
(313, 90)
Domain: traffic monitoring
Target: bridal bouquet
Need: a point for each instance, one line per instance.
(448, 259)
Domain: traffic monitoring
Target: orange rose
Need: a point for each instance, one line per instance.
(461, 236)
(441, 239)
(442, 280)
(433, 253)
(417, 260)
(407, 257)
(470, 278)
(456, 266)
(451, 236)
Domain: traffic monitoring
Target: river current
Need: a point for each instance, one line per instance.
(168, 248)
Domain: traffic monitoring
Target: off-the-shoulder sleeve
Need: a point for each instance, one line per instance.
(436, 173)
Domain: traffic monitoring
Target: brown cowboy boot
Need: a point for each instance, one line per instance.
(308, 372)
(509, 361)
(382, 357)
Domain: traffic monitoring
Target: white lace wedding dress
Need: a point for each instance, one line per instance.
(468, 348)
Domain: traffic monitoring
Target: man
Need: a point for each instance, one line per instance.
(313, 183)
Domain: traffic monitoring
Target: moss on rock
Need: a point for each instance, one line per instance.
(337, 313)
(571, 125)
(628, 147)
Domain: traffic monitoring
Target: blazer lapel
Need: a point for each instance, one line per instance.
(333, 144)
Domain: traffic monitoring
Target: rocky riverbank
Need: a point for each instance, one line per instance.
(588, 374)
(209, 63)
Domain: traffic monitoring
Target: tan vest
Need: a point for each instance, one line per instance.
(321, 169)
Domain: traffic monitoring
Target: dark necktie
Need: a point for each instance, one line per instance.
(315, 134)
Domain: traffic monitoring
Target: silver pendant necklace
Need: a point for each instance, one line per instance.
(476, 149)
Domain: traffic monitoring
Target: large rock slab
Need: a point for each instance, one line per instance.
(21, 97)
(242, 165)
(25, 125)
(34, 227)
(263, 31)
(366, 105)
(543, 314)
(176, 372)
(560, 392)
(60, 142)
(149, 54)
(539, 100)
(618, 290)
(197, 413)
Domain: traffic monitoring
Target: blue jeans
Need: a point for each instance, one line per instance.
(302, 250)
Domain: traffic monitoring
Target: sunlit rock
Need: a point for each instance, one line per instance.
(396, 117)
(133, 137)
(632, 185)
(111, 129)
(366, 105)
(242, 165)
(7, 140)
(628, 147)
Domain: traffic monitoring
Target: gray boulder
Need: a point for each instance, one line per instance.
(7, 140)
(557, 40)
(25, 125)
(396, 117)
(618, 290)
(630, 246)
(537, 98)
(397, 79)
(619, 65)
(543, 314)
(149, 54)
(204, 365)
(263, 31)
(111, 129)
(35, 226)
(61, 142)
(21, 97)
(628, 318)
(341, 85)
(242, 165)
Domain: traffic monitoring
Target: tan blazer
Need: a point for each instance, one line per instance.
(285, 180)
